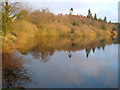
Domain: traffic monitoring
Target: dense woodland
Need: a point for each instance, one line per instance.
(20, 24)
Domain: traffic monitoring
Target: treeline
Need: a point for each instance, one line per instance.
(95, 17)
(44, 23)
(91, 17)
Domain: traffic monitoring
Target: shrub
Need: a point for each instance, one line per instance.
(103, 27)
(76, 23)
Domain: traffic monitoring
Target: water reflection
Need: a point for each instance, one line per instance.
(69, 54)
(44, 49)
(100, 70)
(68, 62)
(14, 74)
(46, 46)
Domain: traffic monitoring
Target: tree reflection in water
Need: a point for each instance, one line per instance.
(14, 73)
(69, 54)
(46, 46)
(44, 57)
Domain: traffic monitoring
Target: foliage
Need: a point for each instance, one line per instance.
(105, 19)
(76, 23)
(71, 11)
(45, 23)
(30, 27)
(23, 14)
(89, 14)
(40, 18)
(49, 24)
(95, 17)
(9, 13)
(103, 27)
(100, 19)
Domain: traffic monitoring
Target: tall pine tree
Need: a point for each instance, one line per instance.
(71, 11)
(95, 17)
(105, 19)
(89, 14)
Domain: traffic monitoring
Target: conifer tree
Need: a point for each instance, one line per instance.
(8, 14)
(95, 17)
(105, 19)
(71, 11)
(89, 14)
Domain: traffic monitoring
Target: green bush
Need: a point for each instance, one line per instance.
(76, 23)
(103, 27)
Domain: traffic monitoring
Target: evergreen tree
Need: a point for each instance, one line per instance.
(95, 17)
(8, 9)
(105, 19)
(71, 11)
(89, 14)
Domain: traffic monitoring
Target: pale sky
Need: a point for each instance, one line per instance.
(108, 8)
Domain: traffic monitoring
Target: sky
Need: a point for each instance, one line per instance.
(102, 8)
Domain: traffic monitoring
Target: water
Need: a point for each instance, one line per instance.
(75, 65)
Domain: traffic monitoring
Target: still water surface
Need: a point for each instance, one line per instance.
(61, 68)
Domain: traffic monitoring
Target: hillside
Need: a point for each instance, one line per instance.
(40, 24)
(48, 24)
